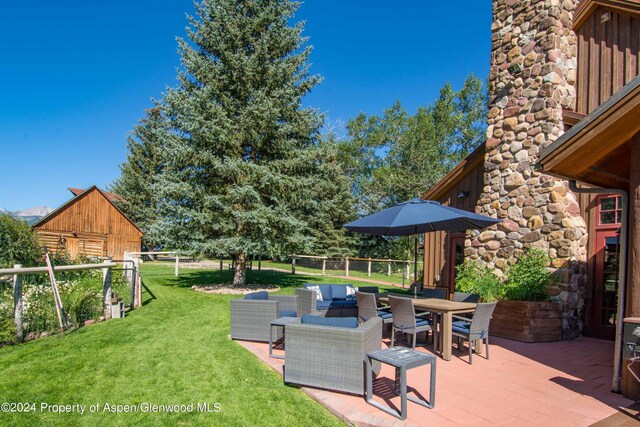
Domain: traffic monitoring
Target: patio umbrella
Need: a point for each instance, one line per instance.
(418, 216)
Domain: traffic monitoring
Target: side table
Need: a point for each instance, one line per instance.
(402, 359)
(280, 322)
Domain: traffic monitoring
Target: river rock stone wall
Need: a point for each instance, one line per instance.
(532, 77)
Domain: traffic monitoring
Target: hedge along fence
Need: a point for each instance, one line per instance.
(27, 304)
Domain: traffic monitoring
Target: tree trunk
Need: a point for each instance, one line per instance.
(240, 275)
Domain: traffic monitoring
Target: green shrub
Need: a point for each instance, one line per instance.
(475, 278)
(18, 243)
(528, 278)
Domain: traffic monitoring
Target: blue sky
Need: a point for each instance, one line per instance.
(77, 75)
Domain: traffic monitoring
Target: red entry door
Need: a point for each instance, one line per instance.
(605, 296)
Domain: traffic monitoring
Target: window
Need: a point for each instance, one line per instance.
(610, 210)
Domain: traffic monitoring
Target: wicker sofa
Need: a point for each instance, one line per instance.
(330, 357)
(251, 318)
(335, 301)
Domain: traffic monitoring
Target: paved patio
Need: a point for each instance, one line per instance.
(550, 384)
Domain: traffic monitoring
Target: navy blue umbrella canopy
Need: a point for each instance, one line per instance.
(417, 216)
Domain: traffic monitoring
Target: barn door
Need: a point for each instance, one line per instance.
(71, 246)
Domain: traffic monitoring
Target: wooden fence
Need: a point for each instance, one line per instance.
(18, 271)
(406, 269)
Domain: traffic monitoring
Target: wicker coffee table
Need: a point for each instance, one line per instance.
(280, 322)
(402, 359)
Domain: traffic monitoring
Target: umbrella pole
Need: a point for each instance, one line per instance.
(415, 259)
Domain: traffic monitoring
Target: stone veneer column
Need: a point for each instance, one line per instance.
(525, 115)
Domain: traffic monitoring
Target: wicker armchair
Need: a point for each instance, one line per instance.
(439, 293)
(331, 357)
(476, 328)
(404, 319)
(251, 319)
(368, 308)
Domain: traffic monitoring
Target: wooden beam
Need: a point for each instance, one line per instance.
(633, 276)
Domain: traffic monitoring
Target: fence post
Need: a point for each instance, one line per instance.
(221, 267)
(324, 265)
(259, 262)
(177, 264)
(389, 268)
(293, 265)
(346, 266)
(369, 268)
(137, 282)
(106, 290)
(408, 267)
(17, 304)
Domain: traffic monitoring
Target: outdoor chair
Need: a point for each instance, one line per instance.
(368, 308)
(465, 297)
(329, 356)
(435, 293)
(474, 329)
(251, 317)
(405, 320)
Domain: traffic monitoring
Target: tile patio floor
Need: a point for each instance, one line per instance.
(550, 384)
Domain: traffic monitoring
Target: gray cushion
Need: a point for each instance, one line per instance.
(339, 322)
(262, 295)
(287, 313)
(338, 291)
(325, 290)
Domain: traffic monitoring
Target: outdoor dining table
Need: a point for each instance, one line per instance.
(443, 317)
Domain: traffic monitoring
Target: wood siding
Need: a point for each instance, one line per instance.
(89, 225)
(608, 56)
(437, 245)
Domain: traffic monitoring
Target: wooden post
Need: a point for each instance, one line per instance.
(324, 265)
(293, 265)
(259, 262)
(408, 267)
(369, 268)
(346, 266)
(221, 266)
(633, 260)
(137, 301)
(177, 264)
(17, 304)
(106, 290)
(389, 268)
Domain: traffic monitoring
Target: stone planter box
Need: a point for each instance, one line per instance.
(527, 321)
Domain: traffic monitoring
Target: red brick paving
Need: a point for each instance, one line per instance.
(546, 384)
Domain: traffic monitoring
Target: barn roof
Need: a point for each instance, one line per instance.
(110, 197)
(113, 197)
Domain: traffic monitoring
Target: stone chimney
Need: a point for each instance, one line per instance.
(533, 72)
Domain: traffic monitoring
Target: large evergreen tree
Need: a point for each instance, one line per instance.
(245, 172)
(138, 174)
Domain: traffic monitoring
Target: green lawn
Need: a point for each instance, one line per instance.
(173, 350)
(394, 278)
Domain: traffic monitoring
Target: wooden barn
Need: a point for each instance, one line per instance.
(91, 225)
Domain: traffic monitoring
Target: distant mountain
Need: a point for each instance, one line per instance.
(31, 215)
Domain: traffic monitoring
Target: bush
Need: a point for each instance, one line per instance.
(528, 278)
(18, 243)
(474, 278)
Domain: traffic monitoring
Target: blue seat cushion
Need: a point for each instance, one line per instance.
(384, 314)
(461, 326)
(287, 313)
(339, 322)
(344, 303)
(325, 290)
(422, 322)
(340, 291)
(323, 305)
(261, 295)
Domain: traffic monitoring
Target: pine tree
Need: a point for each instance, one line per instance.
(245, 170)
(139, 173)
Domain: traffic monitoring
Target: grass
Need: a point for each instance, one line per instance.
(173, 350)
(382, 277)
